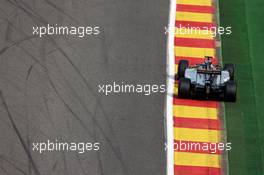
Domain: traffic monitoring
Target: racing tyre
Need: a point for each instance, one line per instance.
(184, 89)
(231, 69)
(183, 64)
(230, 91)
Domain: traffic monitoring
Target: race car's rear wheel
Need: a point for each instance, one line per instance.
(184, 88)
(231, 69)
(230, 91)
(183, 64)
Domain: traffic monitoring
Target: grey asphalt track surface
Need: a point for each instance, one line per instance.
(49, 87)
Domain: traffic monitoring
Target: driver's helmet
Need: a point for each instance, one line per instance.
(208, 62)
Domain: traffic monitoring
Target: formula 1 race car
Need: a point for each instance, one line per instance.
(206, 81)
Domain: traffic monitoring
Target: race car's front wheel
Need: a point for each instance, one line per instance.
(184, 88)
(230, 91)
(231, 69)
(183, 64)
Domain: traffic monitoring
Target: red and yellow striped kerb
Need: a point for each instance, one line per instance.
(195, 121)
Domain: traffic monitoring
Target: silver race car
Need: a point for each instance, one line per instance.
(206, 81)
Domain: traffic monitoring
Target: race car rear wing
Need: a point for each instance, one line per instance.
(216, 72)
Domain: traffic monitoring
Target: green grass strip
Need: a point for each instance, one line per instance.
(245, 118)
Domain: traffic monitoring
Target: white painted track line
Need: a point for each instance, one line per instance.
(170, 87)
